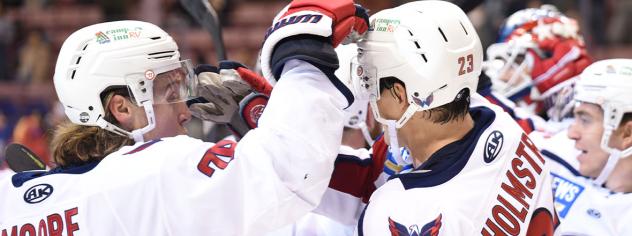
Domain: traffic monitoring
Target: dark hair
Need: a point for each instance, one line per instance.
(625, 119)
(457, 109)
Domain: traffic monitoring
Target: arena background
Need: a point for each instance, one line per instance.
(32, 31)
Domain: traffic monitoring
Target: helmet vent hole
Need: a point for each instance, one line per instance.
(156, 53)
(161, 55)
(73, 74)
(463, 27)
(442, 34)
(418, 46)
(78, 60)
(84, 47)
(155, 38)
(90, 108)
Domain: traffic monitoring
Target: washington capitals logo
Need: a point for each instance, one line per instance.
(425, 102)
(102, 38)
(430, 229)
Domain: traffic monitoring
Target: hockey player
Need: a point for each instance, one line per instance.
(536, 61)
(602, 131)
(356, 136)
(476, 172)
(124, 80)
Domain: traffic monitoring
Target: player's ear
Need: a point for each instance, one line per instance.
(626, 133)
(399, 92)
(122, 110)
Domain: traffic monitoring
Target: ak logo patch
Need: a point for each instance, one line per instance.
(38, 193)
(493, 145)
(565, 193)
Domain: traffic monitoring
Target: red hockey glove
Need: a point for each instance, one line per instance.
(337, 20)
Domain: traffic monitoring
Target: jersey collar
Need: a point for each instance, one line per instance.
(449, 160)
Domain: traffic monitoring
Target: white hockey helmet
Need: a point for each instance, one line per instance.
(135, 55)
(356, 113)
(431, 46)
(608, 83)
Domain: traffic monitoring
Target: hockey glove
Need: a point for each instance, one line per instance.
(223, 89)
(312, 28)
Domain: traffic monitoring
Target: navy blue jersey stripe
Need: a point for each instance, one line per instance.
(361, 221)
(354, 159)
(143, 146)
(561, 161)
(449, 160)
(20, 178)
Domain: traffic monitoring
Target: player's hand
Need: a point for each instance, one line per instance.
(217, 102)
(336, 21)
(222, 91)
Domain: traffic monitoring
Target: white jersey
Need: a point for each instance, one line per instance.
(183, 186)
(5, 173)
(560, 150)
(583, 207)
(339, 212)
(491, 182)
(590, 209)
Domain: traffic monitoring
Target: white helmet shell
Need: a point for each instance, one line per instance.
(431, 46)
(608, 83)
(99, 57)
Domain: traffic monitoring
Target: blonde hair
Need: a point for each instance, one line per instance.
(74, 144)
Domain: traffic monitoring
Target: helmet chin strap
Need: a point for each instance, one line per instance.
(136, 134)
(607, 169)
(366, 133)
(615, 156)
(410, 111)
(392, 126)
(393, 141)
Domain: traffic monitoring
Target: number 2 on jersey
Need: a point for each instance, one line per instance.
(225, 149)
(470, 64)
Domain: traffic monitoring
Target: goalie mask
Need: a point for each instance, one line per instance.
(524, 66)
(135, 55)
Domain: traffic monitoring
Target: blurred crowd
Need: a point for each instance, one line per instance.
(32, 31)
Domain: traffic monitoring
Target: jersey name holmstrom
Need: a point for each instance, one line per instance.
(53, 225)
(515, 200)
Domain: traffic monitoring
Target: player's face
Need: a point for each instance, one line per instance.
(587, 130)
(391, 107)
(170, 120)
